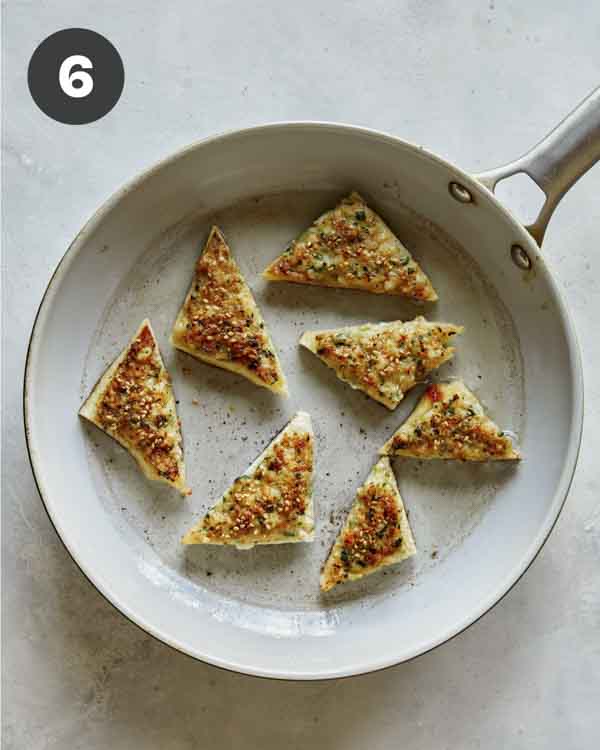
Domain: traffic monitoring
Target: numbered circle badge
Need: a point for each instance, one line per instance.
(76, 76)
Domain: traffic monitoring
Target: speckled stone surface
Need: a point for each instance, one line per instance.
(476, 81)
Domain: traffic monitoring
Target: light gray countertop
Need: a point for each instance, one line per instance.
(476, 81)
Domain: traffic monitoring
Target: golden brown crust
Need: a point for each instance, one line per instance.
(384, 360)
(351, 247)
(220, 322)
(449, 423)
(133, 402)
(376, 532)
(271, 503)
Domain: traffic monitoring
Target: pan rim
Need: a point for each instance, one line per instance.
(562, 487)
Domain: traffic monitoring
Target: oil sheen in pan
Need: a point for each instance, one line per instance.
(227, 421)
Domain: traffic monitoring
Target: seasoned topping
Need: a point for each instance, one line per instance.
(222, 320)
(351, 246)
(374, 532)
(386, 360)
(272, 501)
(434, 393)
(135, 407)
(454, 426)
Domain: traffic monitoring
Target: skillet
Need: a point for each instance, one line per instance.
(477, 528)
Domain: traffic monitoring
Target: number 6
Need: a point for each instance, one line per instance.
(66, 78)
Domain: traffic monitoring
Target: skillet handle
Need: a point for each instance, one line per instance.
(558, 160)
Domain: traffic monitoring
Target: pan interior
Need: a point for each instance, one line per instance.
(227, 421)
(260, 611)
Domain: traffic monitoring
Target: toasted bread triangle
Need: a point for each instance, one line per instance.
(385, 360)
(220, 322)
(449, 422)
(272, 502)
(375, 534)
(133, 402)
(352, 247)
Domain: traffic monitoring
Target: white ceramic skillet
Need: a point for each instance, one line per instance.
(477, 527)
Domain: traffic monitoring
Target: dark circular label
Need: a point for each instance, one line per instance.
(76, 76)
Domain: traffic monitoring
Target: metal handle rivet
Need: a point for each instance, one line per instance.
(520, 257)
(460, 193)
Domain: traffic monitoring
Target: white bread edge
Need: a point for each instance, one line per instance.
(300, 422)
(176, 338)
(90, 405)
(382, 470)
